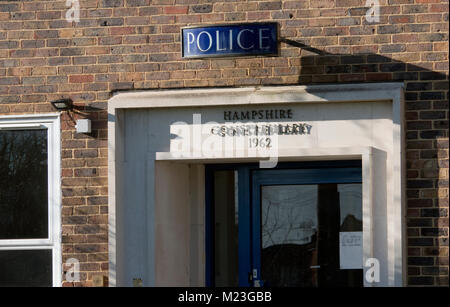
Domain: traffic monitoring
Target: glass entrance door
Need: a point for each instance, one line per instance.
(283, 227)
(298, 220)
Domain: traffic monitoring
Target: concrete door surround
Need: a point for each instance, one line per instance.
(383, 173)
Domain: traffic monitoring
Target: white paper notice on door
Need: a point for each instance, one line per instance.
(350, 250)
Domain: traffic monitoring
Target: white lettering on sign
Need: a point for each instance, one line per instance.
(230, 40)
(218, 42)
(191, 39)
(239, 39)
(247, 39)
(262, 38)
(210, 41)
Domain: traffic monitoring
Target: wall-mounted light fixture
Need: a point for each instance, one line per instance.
(64, 104)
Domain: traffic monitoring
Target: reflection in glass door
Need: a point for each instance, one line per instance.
(300, 226)
(285, 227)
(289, 232)
(299, 217)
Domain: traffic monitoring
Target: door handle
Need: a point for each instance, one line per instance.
(254, 277)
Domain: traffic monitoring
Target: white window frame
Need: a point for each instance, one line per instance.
(50, 122)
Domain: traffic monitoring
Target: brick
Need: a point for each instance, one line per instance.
(322, 22)
(431, 75)
(434, 271)
(434, 212)
(420, 281)
(417, 27)
(81, 78)
(390, 29)
(393, 48)
(432, 37)
(352, 59)
(407, 76)
(9, 7)
(97, 200)
(74, 220)
(85, 172)
(432, 115)
(201, 8)
(23, 15)
(176, 10)
(418, 203)
(90, 248)
(98, 219)
(112, 3)
(420, 260)
(420, 184)
(429, 17)
(419, 222)
(108, 22)
(43, 34)
(110, 40)
(434, 232)
(122, 30)
(401, 19)
(133, 3)
(71, 51)
(419, 125)
(269, 5)
(48, 15)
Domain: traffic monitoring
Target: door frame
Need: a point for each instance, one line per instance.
(247, 216)
(133, 252)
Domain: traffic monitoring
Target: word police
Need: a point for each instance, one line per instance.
(260, 37)
(230, 40)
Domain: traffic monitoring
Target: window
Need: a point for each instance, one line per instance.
(30, 253)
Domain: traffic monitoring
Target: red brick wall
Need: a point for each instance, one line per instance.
(135, 44)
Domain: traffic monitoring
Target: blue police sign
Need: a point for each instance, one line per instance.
(230, 40)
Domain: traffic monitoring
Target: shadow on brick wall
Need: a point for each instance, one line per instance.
(426, 135)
